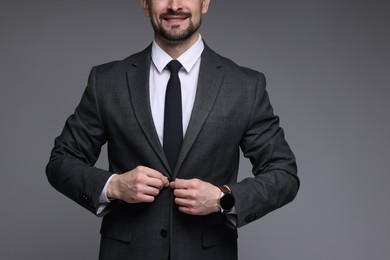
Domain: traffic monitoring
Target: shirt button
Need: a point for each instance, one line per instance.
(163, 233)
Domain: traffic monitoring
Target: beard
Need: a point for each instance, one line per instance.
(172, 35)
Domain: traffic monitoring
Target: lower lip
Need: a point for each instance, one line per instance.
(175, 20)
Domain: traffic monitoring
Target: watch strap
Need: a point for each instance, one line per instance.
(225, 189)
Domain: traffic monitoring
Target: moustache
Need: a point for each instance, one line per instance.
(175, 13)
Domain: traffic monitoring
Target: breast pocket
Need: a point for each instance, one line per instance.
(222, 128)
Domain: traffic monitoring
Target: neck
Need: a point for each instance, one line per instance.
(175, 49)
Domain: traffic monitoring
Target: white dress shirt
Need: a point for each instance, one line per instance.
(158, 81)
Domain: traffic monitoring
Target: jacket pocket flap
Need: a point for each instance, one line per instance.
(117, 229)
(218, 234)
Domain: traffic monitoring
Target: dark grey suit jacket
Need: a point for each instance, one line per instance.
(231, 111)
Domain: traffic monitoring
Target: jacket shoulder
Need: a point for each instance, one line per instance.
(231, 67)
(119, 66)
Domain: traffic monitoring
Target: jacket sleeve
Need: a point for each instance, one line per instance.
(71, 166)
(275, 182)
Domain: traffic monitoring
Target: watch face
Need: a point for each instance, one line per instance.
(227, 201)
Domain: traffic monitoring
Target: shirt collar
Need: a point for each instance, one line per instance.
(188, 59)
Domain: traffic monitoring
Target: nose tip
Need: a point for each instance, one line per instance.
(175, 4)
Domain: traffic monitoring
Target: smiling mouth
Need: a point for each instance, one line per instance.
(175, 16)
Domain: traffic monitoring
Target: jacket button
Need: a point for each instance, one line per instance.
(251, 217)
(248, 219)
(163, 233)
(85, 197)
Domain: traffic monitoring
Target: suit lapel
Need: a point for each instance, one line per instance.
(210, 79)
(209, 83)
(138, 83)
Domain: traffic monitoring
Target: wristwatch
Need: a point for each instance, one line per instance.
(226, 202)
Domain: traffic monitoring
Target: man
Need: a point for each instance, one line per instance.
(174, 131)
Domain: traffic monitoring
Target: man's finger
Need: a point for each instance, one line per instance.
(165, 181)
(182, 184)
(153, 182)
(150, 191)
(183, 202)
(144, 198)
(149, 172)
(183, 193)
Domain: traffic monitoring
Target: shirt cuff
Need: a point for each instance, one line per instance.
(232, 216)
(104, 201)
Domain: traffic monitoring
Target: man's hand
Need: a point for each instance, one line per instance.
(142, 184)
(196, 197)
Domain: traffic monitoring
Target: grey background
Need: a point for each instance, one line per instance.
(327, 68)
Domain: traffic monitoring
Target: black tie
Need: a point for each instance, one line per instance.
(173, 126)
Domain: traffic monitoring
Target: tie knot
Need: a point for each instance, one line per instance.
(174, 66)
